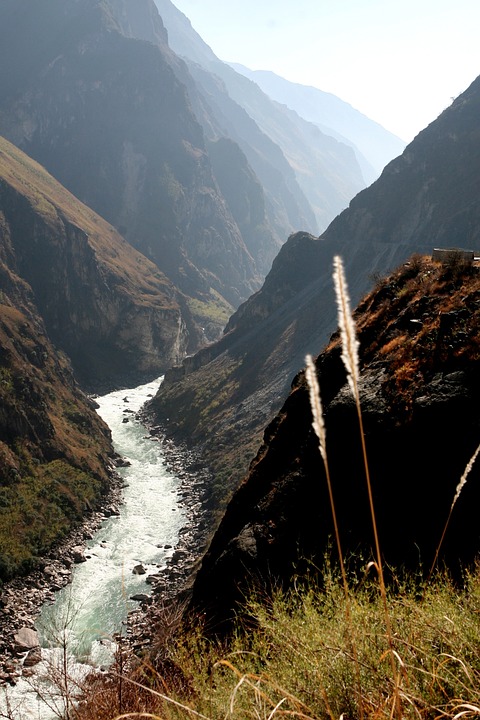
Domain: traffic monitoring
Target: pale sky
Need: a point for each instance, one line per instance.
(399, 62)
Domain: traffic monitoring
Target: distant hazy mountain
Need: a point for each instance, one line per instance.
(286, 205)
(325, 169)
(427, 197)
(375, 146)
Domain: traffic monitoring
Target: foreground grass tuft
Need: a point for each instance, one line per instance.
(291, 657)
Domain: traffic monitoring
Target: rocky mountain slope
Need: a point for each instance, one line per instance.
(322, 168)
(425, 198)
(420, 392)
(54, 449)
(103, 303)
(108, 116)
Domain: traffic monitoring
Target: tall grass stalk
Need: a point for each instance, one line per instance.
(350, 359)
(458, 490)
(318, 424)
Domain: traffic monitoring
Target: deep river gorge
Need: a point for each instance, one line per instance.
(87, 613)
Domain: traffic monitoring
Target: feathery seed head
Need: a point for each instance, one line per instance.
(346, 324)
(463, 479)
(318, 422)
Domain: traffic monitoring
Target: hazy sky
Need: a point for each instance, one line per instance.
(399, 62)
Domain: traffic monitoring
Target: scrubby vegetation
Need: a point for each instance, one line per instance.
(53, 446)
(38, 510)
(421, 319)
(212, 310)
(301, 655)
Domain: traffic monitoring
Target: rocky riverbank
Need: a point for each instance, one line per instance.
(170, 585)
(22, 598)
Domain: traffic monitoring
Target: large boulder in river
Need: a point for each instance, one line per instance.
(139, 570)
(26, 639)
(78, 555)
(33, 657)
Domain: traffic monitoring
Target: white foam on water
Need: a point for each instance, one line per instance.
(87, 613)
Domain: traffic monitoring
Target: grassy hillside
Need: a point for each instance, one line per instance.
(310, 655)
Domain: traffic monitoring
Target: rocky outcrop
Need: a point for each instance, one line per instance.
(420, 396)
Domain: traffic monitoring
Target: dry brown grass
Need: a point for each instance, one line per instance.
(422, 319)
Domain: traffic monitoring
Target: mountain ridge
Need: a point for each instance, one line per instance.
(316, 163)
(376, 145)
(131, 87)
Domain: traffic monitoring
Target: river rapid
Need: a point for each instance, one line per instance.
(78, 628)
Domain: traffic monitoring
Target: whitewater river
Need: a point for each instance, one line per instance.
(87, 613)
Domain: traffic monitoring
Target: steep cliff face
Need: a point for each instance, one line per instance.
(246, 200)
(106, 113)
(273, 214)
(287, 204)
(325, 169)
(413, 201)
(425, 198)
(115, 315)
(419, 349)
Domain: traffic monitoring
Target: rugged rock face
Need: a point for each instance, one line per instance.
(103, 303)
(250, 169)
(106, 113)
(246, 200)
(420, 396)
(425, 198)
